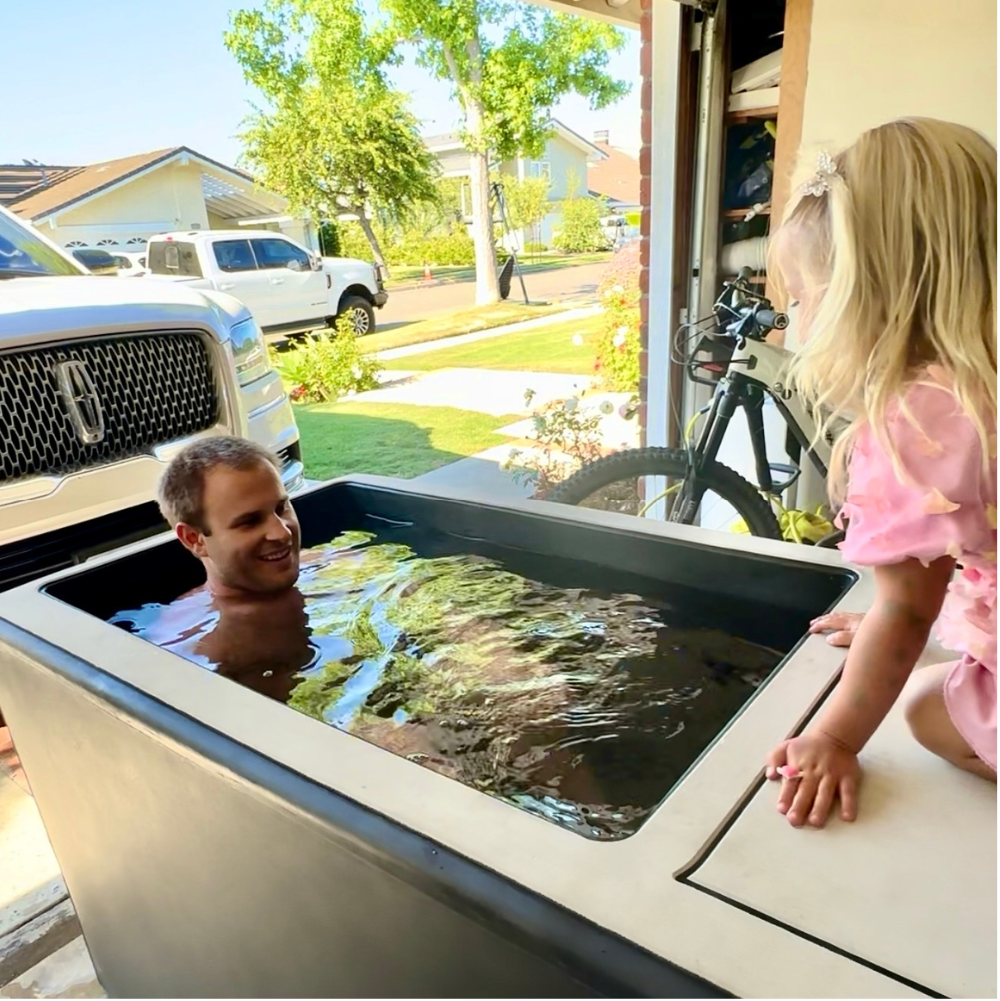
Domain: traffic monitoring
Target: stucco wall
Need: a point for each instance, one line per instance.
(874, 60)
(171, 194)
(566, 163)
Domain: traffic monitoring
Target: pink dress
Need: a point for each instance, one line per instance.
(940, 502)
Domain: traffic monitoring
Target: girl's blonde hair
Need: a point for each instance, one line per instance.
(898, 238)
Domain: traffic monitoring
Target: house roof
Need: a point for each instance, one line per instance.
(616, 176)
(56, 192)
(17, 178)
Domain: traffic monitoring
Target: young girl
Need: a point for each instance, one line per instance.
(891, 250)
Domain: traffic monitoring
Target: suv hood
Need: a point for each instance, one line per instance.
(35, 310)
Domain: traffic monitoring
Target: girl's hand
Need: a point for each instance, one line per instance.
(840, 625)
(815, 769)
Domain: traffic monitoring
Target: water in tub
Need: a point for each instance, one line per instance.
(581, 703)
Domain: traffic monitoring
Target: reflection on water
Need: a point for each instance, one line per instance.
(581, 706)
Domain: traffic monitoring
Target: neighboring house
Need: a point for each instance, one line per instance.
(565, 162)
(615, 178)
(121, 203)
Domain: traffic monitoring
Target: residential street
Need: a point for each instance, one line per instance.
(576, 284)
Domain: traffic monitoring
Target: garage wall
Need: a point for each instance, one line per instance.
(874, 60)
(871, 61)
(172, 192)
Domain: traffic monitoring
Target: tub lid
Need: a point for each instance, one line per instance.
(909, 889)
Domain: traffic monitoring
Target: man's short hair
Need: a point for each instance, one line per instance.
(182, 489)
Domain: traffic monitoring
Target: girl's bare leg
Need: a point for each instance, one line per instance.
(932, 726)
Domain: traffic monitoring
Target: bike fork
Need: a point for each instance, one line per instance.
(723, 409)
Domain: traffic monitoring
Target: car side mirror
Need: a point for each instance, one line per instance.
(317, 263)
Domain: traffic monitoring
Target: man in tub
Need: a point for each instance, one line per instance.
(226, 503)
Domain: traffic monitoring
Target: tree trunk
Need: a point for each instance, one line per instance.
(487, 286)
(487, 282)
(366, 227)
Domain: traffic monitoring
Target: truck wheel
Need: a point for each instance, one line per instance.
(359, 311)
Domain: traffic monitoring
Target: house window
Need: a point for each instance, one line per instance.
(75, 243)
(107, 243)
(136, 241)
(540, 168)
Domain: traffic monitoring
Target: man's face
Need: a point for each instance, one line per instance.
(250, 542)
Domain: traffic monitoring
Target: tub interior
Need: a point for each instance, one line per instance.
(681, 637)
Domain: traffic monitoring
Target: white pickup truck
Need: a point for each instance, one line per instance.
(287, 288)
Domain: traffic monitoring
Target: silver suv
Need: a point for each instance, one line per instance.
(101, 383)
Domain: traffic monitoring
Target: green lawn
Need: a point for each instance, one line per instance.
(390, 439)
(547, 349)
(462, 321)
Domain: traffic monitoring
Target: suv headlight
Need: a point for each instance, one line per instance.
(249, 351)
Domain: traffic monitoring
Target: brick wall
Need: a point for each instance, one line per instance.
(645, 162)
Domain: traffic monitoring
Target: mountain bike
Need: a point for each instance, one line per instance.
(689, 485)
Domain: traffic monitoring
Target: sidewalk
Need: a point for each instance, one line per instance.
(37, 919)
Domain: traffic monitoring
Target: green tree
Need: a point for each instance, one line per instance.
(509, 63)
(581, 229)
(527, 200)
(333, 135)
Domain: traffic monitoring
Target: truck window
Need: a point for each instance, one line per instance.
(275, 253)
(234, 255)
(168, 257)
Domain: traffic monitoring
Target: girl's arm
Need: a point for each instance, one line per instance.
(886, 647)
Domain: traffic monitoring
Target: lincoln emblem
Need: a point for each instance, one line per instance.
(82, 401)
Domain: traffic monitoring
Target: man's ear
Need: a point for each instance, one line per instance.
(192, 539)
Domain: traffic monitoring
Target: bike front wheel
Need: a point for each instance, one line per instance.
(650, 482)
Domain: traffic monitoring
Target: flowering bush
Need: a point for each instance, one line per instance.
(325, 368)
(617, 363)
(567, 435)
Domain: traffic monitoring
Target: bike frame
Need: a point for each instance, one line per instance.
(757, 369)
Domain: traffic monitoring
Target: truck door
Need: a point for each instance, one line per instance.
(241, 278)
(300, 291)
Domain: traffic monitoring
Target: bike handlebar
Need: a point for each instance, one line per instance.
(771, 319)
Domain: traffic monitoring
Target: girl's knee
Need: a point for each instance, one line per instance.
(925, 710)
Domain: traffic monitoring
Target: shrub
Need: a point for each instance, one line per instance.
(414, 249)
(567, 435)
(581, 230)
(329, 239)
(532, 247)
(618, 348)
(324, 367)
(353, 242)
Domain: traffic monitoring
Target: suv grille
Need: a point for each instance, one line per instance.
(151, 388)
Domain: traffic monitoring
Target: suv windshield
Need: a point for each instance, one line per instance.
(23, 254)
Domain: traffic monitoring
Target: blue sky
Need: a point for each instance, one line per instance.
(86, 82)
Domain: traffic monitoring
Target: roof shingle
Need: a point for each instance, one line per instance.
(75, 183)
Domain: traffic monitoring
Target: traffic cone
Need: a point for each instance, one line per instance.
(427, 273)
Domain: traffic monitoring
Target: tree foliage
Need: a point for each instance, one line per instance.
(581, 230)
(508, 63)
(333, 134)
(527, 200)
